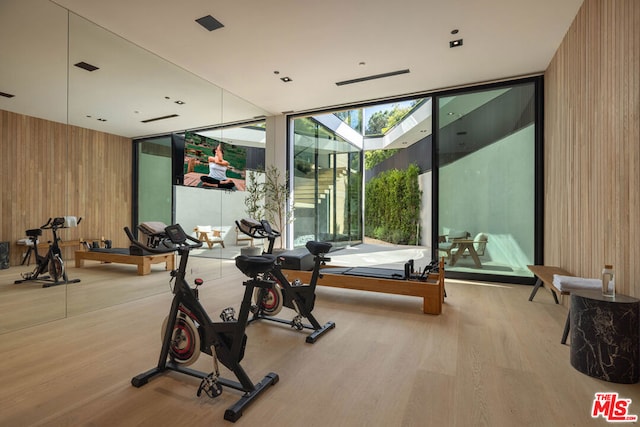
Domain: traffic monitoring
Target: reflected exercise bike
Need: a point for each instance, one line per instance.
(51, 262)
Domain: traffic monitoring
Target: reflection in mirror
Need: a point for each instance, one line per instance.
(132, 92)
(33, 70)
(33, 113)
(115, 87)
(128, 94)
(201, 204)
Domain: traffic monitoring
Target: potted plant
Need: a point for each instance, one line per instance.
(254, 203)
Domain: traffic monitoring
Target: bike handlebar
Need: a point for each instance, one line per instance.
(166, 249)
(258, 229)
(57, 222)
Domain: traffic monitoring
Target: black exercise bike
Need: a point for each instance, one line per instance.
(52, 261)
(294, 295)
(188, 329)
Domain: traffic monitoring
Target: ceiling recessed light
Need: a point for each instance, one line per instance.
(179, 102)
(454, 31)
(209, 22)
(450, 113)
(455, 43)
(276, 72)
(286, 79)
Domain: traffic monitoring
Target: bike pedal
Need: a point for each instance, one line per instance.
(210, 386)
(228, 315)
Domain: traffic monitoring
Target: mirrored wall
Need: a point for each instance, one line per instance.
(74, 96)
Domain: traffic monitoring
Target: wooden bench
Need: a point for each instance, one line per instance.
(431, 291)
(142, 261)
(544, 278)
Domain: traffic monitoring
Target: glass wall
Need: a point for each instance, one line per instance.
(327, 185)
(486, 156)
(454, 175)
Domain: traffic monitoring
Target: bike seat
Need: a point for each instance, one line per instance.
(251, 266)
(35, 232)
(317, 248)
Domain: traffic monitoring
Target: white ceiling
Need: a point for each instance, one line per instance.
(316, 44)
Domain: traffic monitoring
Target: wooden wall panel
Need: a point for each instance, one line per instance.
(51, 169)
(592, 145)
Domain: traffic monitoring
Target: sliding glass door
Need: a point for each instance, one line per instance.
(486, 184)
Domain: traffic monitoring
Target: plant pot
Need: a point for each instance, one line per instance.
(251, 251)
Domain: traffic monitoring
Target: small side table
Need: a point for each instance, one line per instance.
(605, 336)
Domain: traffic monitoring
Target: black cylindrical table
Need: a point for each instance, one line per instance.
(605, 336)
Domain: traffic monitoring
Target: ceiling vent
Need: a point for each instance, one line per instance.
(376, 76)
(86, 66)
(6, 95)
(160, 118)
(209, 22)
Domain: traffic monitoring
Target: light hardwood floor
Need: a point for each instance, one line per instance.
(491, 359)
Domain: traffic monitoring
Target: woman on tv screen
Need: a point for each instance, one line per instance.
(218, 171)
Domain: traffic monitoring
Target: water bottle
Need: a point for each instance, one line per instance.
(608, 285)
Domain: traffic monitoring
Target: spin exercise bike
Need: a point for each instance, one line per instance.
(51, 262)
(295, 295)
(188, 329)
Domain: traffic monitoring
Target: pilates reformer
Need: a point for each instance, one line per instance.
(154, 235)
(427, 284)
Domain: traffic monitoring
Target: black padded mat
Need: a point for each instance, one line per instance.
(119, 251)
(379, 273)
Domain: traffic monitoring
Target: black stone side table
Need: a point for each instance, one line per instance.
(605, 336)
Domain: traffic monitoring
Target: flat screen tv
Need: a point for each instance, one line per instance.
(198, 149)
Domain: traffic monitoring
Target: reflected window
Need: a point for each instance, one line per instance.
(327, 183)
(340, 159)
(154, 179)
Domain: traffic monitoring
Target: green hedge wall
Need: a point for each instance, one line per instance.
(392, 206)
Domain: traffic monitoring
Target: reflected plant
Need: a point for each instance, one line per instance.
(269, 199)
